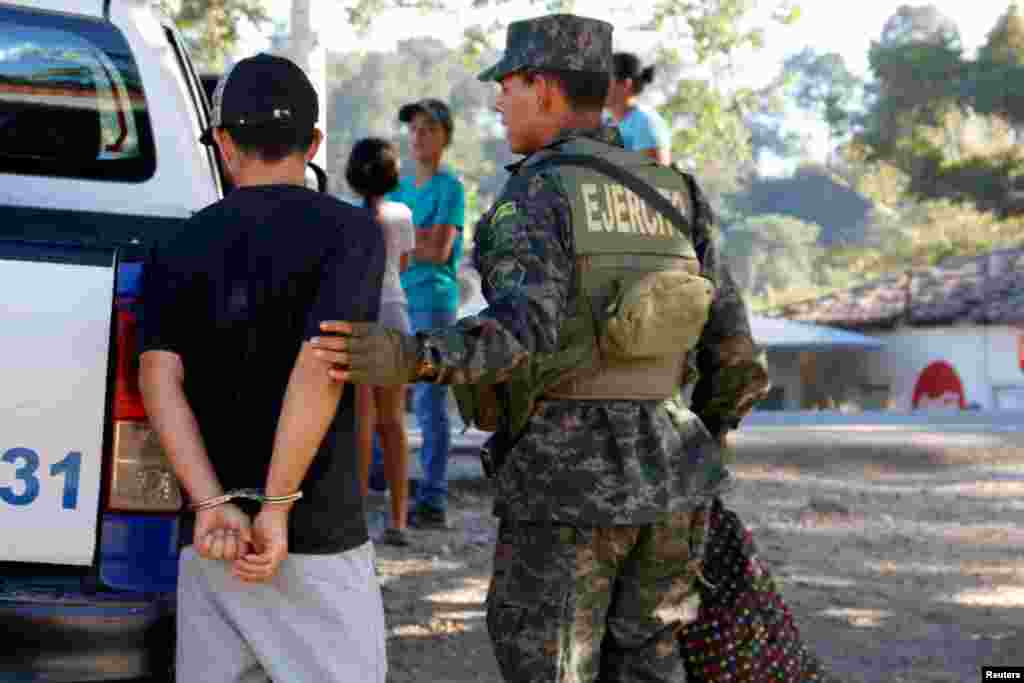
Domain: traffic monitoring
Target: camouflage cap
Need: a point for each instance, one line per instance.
(565, 42)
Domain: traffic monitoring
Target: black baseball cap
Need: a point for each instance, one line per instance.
(264, 90)
(435, 109)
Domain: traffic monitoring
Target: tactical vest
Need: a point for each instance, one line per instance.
(640, 301)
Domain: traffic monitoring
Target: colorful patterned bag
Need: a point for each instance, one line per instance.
(744, 632)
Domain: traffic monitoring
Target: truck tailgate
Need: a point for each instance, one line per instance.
(56, 304)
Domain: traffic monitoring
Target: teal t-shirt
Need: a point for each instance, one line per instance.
(643, 128)
(439, 201)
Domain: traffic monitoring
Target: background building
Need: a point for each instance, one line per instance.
(953, 336)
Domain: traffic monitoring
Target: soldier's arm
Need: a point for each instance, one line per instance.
(526, 269)
(732, 372)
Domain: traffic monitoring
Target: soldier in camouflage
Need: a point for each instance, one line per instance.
(602, 501)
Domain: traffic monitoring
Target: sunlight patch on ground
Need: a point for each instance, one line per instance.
(442, 626)
(820, 581)
(438, 626)
(893, 470)
(778, 504)
(860, 617)
(815, 529)
(767, 472)
(945, 484)
(990, 596)
(877, 529)
(983, 489)
(1002, 635)
(466, 615)
(809, 481)
(947, 440)
(889, 567)
(983, 535)
(410, 631)
(472, 592)
(414, 564)
(867, 435)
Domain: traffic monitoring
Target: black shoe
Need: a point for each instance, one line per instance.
(395, 537)
(377, 481)
(426, 517)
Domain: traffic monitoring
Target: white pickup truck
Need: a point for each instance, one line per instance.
(100, 115)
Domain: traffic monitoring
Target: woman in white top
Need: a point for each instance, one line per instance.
(372, 172)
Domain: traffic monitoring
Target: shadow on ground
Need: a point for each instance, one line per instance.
(899, 554)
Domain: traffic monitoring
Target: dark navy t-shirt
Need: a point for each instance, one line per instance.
(235, 294)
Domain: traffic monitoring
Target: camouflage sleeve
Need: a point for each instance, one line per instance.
(732, 373)
(525, 265)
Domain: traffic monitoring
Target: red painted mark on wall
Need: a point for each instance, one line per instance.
(1020, 350)
(938, 386)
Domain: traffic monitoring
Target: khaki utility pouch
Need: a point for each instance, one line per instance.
(659, 315)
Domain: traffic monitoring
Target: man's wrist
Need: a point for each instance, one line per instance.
(200, 493)
(246, 494)
(282, 509)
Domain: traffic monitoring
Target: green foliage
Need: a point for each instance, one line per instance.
(918, 66)
(919, 24)
(366, 91)
(771, 252)
(361, 13)
(994, 85)
(716, 28)
(770, 134)
(933, 105)
(995, 88)
(934, 165)
(812, 195)
(712, 133)
(918, 86)
(988, 182)
(211, 27)
(880, 181)
(709, 128)
(823, 84)
(922, 234)
(1005, 43)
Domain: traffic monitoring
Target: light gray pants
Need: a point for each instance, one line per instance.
(320, 620)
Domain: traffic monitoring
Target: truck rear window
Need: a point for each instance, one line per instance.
(71, 100)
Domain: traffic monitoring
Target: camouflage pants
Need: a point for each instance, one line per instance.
(578, 605)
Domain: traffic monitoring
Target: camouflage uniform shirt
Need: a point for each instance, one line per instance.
(591, 463)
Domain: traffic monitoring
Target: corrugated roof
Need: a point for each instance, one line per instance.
(779, 334)
(986, 289)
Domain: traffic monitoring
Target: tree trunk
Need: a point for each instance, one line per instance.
(302, 41)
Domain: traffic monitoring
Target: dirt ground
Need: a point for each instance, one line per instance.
(903, 561)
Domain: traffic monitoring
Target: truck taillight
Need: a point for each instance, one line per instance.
(142, 480)
(127, 397)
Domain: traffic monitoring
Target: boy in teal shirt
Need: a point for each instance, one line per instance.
(438, 204)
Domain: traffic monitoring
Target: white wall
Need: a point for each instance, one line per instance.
(784, 371)
(986, 359)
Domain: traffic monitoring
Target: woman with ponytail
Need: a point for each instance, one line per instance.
(372, 172)
(642, 128)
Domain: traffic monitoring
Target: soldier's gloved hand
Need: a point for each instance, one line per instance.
(367, 353)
